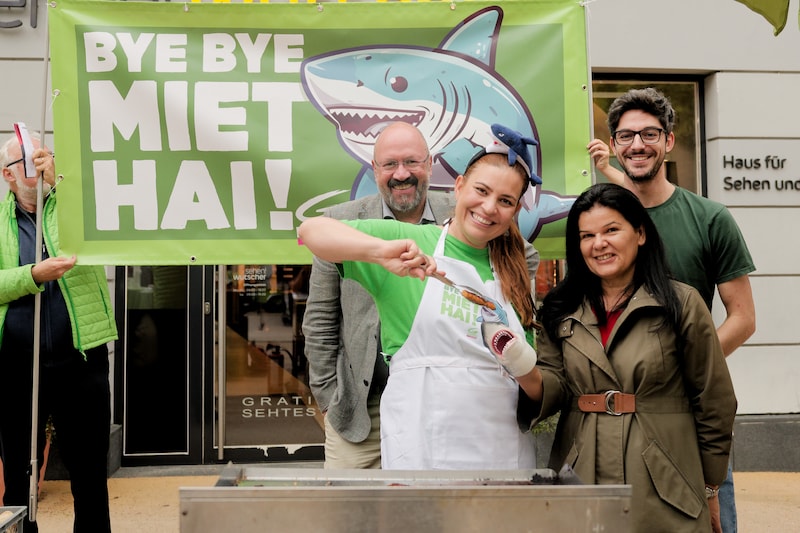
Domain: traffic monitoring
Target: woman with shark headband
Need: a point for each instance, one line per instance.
(449, 402)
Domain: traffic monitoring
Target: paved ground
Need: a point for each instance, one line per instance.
(146, 500)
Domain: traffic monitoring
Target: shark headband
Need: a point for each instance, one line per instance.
(507, 141)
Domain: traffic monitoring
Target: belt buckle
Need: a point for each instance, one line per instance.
(609, 396)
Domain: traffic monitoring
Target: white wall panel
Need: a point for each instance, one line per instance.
(753, 105)
(769, 233)
(24, 99)
(688, 36)
(777, 301)
(765, 379)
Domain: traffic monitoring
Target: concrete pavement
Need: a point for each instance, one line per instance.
(146, 499)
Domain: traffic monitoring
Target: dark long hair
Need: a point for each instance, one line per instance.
(650, 269)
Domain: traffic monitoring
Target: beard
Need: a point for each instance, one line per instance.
(26, 192)
(643, 175)
(404, 204)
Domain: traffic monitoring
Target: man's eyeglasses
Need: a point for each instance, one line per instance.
(647, 135)
(21, 159)
(412, 165)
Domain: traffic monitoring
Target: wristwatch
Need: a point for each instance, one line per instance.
(711, 492)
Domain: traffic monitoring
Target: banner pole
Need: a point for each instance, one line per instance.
(222, 295)
(33, 494)
(590, 88)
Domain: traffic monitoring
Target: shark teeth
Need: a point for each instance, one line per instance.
(368, 123)
(500, 341)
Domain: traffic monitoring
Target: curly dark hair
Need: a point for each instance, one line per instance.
(649, 100)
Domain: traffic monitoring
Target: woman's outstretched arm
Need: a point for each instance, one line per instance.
(335, 241)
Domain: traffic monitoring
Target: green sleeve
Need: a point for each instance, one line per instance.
(729, 247)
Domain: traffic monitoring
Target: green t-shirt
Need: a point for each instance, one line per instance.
(397, 298)
(703, 243)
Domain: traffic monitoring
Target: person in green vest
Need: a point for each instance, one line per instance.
(77, 322)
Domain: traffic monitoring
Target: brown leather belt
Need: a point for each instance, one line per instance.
(612, 402)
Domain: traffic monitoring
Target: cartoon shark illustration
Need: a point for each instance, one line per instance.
(451, 93)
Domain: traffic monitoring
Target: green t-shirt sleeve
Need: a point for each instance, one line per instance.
(728, 244)
(397, 298)
(372, 276)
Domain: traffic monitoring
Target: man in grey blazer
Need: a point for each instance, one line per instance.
(341, 328)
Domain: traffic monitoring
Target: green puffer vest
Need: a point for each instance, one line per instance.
(85, 288)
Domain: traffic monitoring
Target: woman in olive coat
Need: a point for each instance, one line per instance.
(618, 323)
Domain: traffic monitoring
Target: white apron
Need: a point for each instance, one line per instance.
(448, 403)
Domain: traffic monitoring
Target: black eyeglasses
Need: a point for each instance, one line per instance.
(647, 135)
(21, 159)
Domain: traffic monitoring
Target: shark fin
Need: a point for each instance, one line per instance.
(476, 36)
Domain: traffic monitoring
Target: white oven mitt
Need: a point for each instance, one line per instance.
(510, 349)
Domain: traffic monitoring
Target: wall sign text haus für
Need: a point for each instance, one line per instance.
(767, 173)
(753, 172)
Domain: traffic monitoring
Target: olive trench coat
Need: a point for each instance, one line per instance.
(678, 439)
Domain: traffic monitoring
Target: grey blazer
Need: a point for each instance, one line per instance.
(341, 327)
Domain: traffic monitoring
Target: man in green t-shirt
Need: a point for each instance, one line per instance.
(704, 246)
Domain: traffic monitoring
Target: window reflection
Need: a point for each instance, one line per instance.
(268, 401)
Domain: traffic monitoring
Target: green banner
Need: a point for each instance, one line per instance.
(205, 133)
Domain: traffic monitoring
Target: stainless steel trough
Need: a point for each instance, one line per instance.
(11, 519)
(265, 499)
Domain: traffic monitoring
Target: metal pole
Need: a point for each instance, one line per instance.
(222, 296)
(33, 494)
(590, 87)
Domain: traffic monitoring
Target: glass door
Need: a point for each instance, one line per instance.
(158, 378)
(264, 407)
